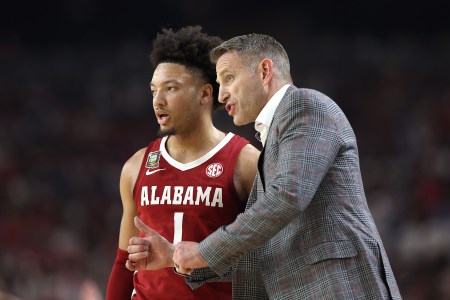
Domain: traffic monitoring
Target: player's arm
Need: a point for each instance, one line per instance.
(120, 284)
(245, 171)
(127, 181)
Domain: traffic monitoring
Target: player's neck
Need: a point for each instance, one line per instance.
(189, 147)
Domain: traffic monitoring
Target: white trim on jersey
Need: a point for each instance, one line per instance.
(183, 167)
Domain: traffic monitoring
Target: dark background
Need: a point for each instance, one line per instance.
(75, 104)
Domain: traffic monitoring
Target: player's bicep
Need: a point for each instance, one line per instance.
(129, 210)
(127, 227)
(245, 171)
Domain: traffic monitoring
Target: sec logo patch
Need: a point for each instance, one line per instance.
(214, 170)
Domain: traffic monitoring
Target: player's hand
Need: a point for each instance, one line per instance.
(187, 257)
(152, 252)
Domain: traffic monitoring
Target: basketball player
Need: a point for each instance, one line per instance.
(191, 180)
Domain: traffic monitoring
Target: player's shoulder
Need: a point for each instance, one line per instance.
(243, 142)
(137, 157)
(249, 152)
(138, 154)
(134, 161)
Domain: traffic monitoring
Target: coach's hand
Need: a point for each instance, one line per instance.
(187, 257)
(152, 252)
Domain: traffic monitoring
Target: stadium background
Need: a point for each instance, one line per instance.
(75, 104)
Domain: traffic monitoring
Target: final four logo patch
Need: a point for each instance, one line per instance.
(153, 159)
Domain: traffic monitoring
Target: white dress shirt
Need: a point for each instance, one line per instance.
(265, 117)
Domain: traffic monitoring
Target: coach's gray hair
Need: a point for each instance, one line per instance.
(253, 48)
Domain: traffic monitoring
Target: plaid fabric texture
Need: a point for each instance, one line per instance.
(307, 232)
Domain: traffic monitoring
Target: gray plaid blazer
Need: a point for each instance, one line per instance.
(307, 232)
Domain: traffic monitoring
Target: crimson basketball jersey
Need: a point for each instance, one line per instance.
(186, 202)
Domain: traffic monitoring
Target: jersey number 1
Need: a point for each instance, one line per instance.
(178, 227)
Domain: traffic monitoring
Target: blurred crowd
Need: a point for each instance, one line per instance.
(72, 114)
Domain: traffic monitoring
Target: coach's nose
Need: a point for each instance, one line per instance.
(224, 95)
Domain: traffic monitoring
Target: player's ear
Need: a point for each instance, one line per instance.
(207, 93)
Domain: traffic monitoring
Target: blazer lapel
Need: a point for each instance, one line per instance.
(261, 167)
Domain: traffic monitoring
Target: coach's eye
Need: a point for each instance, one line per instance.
(229, 79)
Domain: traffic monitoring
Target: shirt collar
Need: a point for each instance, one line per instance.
(266, 115)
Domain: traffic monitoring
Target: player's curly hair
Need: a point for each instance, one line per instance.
(190, 47)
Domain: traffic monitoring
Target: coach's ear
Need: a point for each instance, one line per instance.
(144, 228)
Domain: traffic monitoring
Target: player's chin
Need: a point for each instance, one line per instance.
(165, 131)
